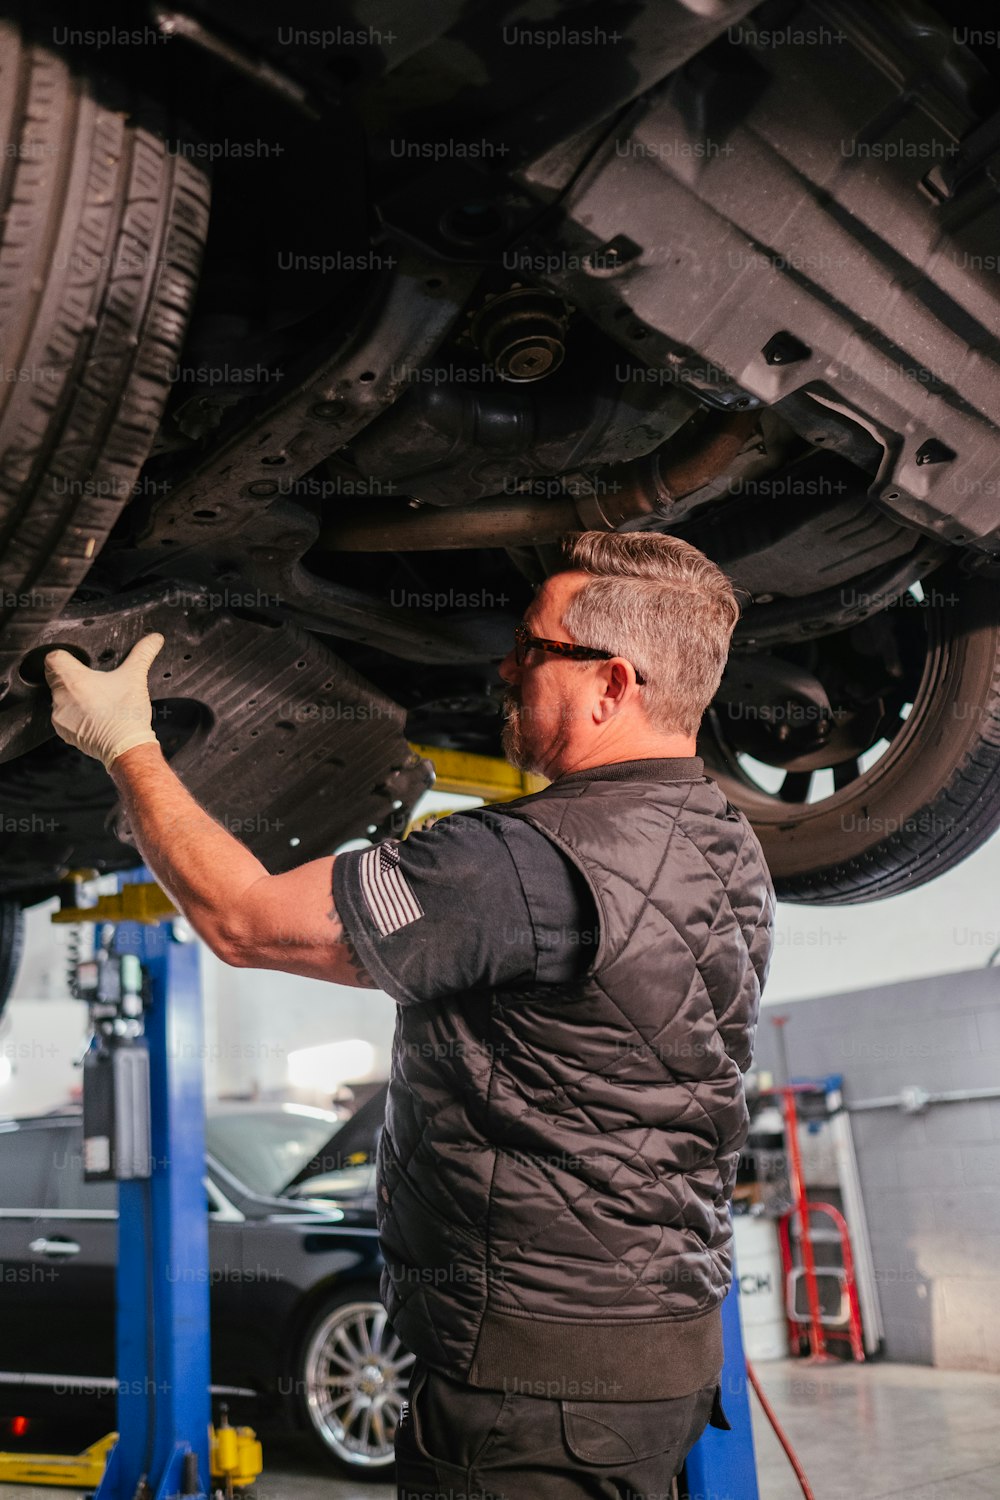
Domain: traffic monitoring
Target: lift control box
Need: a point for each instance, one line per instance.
(116, 1122)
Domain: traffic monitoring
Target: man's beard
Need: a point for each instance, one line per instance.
(516, 748)
(524, 748)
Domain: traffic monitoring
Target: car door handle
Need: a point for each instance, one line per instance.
(54, 1247)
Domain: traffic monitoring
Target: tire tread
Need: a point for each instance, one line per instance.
(968, 805)
(100, 278)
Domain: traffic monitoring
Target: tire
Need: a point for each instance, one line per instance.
(933, 795)
(102, 233)
(11, 942)
(334, 1350)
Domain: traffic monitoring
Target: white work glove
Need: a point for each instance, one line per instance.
(103, 713)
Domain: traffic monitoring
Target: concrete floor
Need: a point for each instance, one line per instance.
(873, 1432)
(870, 1432)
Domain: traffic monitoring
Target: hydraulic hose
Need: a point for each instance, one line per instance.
(780, 1434)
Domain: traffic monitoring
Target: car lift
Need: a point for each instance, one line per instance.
(146, 1130)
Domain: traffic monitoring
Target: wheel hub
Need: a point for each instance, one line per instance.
(371, 1381)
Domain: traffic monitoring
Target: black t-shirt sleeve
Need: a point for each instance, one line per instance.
(479, 900)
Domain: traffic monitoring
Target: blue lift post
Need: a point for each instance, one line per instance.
(723, 1465)
(162, 1300)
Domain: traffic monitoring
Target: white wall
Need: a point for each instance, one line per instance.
(263, 1016)
(949, 925)
(43, 1030)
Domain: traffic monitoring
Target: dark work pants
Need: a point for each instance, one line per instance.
(456, 1442)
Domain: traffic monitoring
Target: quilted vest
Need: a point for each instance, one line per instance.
(557, 1162)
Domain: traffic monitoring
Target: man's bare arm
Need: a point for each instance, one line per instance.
(249, 918)
(246, 916)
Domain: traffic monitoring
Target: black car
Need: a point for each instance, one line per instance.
(320, 325)
(298, 1331)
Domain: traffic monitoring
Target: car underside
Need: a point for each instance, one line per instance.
(319, 334)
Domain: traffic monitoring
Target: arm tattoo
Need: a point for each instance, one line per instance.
(364, 979)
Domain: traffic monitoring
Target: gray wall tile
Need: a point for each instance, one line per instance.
(931, 1181)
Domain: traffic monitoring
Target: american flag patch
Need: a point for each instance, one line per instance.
(387, 895)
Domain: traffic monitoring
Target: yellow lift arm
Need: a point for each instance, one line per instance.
(133, 903)
(485, 776)
(235, 1459)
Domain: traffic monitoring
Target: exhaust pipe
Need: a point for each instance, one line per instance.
(647, 488)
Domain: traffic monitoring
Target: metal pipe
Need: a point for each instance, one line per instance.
(849, 1179)
(391, 527)
(914, 1099)
(641, 489)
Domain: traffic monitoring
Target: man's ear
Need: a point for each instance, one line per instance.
(614, 681)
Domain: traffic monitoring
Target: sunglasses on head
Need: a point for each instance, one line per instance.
(524, 642)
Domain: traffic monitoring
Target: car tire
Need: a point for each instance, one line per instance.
(11, 942)
(929, 801)
(333, 1363)
(102, 232)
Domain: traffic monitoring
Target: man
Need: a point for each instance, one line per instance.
(577, 976)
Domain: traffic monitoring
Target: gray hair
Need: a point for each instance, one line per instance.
(662, 605)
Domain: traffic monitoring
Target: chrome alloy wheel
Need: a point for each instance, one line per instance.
(356, 1373)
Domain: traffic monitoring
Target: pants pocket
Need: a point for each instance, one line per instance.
(450, 1423)
(621, 1432)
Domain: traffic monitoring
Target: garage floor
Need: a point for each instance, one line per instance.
(880, 1430)
(866, 1433)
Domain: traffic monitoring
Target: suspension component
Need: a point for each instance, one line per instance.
(522, 333)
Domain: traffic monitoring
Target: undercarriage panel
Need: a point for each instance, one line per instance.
(277, 737)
